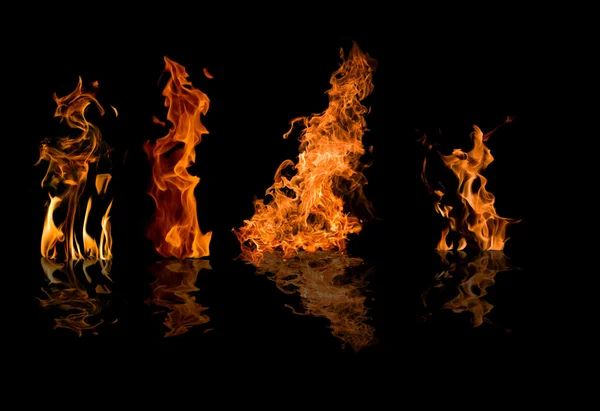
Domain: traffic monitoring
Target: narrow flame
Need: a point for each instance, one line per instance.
(175, 281)
(327, 291)
(105, 236)
(174, 228)
(69, 161)
(51, 234)
(306, 211)
(89, 244)
(207, 73)
(102, 181)
(477, 220)
(474, 276)
(79, 303)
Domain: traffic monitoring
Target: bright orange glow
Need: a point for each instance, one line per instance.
(306, 208)
(327, 290)
(174, 228)
(102, 181)
(69, 160)
(175, 281)
(477, 220)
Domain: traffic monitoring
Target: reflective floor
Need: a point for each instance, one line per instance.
(493, 296)
(318, 302)
(323, 301)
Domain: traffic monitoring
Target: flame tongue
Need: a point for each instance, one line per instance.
(51, 235)
(89, 244)
(69, 164)
(175, 229)
(306, 211)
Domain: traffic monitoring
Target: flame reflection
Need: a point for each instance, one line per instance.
(327, 288)
(471, 277)
(172, 290)
(79, 291)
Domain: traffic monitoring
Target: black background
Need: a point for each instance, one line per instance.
(447, 84)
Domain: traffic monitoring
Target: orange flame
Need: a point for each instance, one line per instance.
(475, 276)
(69, 163)
(83, 309)
(478, 220)
(174, 229)
(207, 73)
(306, 211)
(175, 280)
(321, 280)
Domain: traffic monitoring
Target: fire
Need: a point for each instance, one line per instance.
(306, 210)
(83, 307)
(321, 280)
(477, 220)
(174, 228)
(69, 160)
(207, 73)
(175, 280)
(475, 276)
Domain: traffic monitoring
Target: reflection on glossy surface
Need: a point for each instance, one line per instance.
(175, 281)
(79, 291)
(474, 277)
(328, 288)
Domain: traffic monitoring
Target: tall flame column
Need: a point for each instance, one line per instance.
(174, 228)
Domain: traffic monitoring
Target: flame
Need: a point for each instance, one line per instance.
(174, 229)
(51, 234)
(106, 237)
(321, 280)
(207, 73)
(102, 181)
(69, 161)
(175, 280)
(83, 309)
(477, 220)
(476, 275)
(306, 211)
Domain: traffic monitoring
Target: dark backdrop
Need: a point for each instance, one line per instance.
(441, 87)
